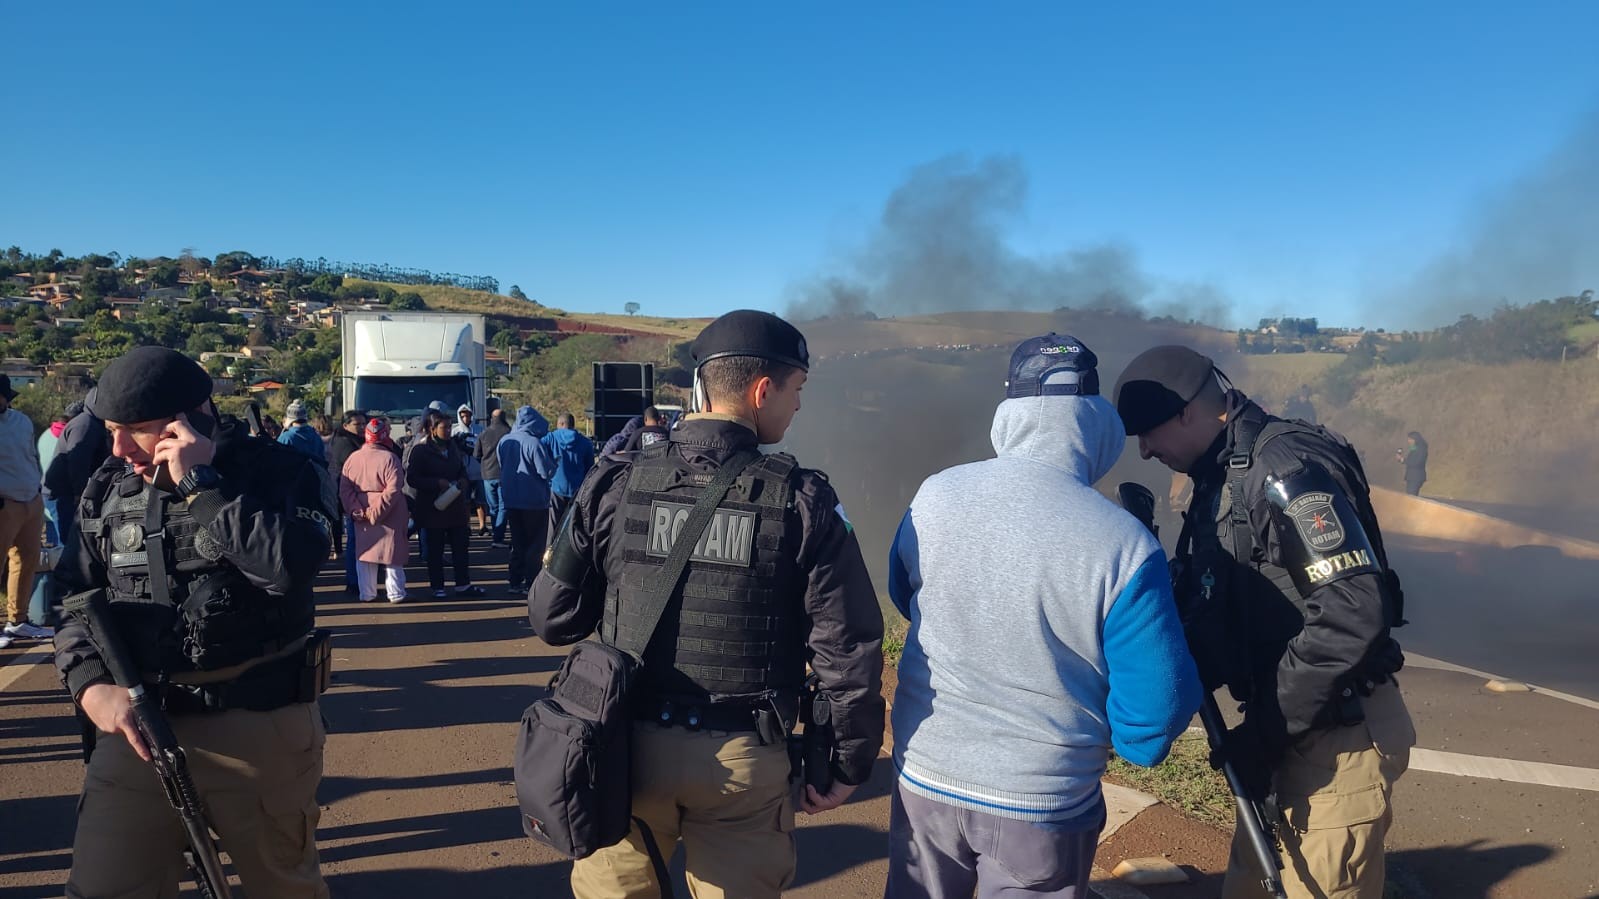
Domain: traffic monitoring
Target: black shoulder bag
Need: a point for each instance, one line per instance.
(573, 760)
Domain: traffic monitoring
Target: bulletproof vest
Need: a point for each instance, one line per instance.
(732, 628)
(1226, 564)
(211, 616)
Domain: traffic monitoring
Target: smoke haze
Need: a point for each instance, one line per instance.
(1538, 238)
(940, 246)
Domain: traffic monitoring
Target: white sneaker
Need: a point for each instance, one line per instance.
(30, 631)
(5, 639)
(396, 600)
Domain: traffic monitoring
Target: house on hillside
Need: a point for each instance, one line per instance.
(250, 314)
(257, 353)
(125, 308)
(49, 292)
(69, 322)
(265, 390)
(329, 317)
(8, 330)
(21, 279)
(23, 375)
(167, 296)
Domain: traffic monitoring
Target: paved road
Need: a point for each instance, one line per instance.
(418, 801)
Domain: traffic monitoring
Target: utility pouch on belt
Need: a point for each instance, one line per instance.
(316, 668)
(573, 762)
(811, 753)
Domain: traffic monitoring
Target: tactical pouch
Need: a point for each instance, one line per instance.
(811, 753)
(573, 756)
(316, 668)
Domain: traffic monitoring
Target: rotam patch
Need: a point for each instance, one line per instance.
(1318, 524)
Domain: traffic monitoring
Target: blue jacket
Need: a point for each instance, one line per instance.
(1043, 631)
(574, 456)
(305, 439)
(525, 465)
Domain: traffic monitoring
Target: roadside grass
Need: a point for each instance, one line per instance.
(893, 638)
(1280, 375)
(1185, 781)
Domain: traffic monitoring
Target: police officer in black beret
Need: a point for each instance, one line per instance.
(207, 542)
(776, 581)
(1288, 600)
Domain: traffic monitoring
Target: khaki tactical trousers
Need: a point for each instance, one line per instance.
(1335, 789)
(257, 773)
(724, 795)
(21, 535)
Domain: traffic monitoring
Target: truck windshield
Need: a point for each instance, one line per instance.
(404, 397)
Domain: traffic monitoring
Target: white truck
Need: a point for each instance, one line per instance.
(399, 362)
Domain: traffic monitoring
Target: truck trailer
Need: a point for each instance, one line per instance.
(399, 362)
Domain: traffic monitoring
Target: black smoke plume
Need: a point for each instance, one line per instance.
(940, 246)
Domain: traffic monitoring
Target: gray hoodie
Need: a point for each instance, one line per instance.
(1041, 620)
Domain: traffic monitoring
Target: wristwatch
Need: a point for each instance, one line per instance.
(200, 477)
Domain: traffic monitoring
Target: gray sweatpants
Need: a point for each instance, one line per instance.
(938, 851)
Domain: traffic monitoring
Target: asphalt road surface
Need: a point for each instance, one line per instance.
(417, 798)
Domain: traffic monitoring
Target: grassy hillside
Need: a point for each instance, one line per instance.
(1518, 433)
(456, 299)
(1278, 376)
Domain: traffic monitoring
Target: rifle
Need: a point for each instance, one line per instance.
(167, 757)
(1139, 501)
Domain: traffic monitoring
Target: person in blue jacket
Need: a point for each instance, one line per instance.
(300, 435)
(1043, 634)
(574, 456)
(525, 472)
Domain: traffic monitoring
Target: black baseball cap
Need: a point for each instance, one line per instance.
(1052, 365)
(148, 383)
(749, 332)
(1158, 384)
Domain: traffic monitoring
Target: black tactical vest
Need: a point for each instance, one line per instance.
(732, 629)
(1224, 563)
(212, 617)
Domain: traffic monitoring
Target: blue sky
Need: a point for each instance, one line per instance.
(695, 158)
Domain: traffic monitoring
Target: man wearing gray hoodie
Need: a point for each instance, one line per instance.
(1042, 620)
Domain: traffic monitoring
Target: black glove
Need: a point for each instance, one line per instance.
(1253, 754)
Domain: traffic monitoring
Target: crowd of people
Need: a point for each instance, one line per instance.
(1041, 635)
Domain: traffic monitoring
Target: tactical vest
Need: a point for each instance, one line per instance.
(1223, 561)
(732, 628)
(212, 616)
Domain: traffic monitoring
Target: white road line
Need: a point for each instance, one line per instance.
(24, 663)
(1537, 773)
(1421, 661)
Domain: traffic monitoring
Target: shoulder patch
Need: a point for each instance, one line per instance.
(1318, 524)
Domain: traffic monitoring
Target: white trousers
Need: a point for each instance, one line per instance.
(366, 579)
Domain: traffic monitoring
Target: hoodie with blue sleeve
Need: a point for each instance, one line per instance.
(1043, 632)
(525, 465)
(574, 456)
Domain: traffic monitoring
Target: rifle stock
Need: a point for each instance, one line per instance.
(166, 754)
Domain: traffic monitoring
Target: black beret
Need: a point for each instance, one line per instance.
(747, 332)
(148, 383)
(1158, 384)
(1037, 359)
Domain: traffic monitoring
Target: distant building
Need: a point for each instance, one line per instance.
(69, 322)
(23, 375)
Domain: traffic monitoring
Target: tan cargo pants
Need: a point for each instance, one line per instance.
(724, 795)
(257, 773)
(21, 535)
(1335, 790)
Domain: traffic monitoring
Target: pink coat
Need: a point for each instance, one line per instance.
(371, 482)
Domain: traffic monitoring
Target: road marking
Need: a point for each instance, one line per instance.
(1421, 661)
(1511, 770)
(22, 664)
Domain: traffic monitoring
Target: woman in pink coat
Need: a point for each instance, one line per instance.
(370, 487)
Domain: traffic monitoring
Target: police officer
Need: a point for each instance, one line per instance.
(776, 582)
(1287, 599)
(207, 542)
